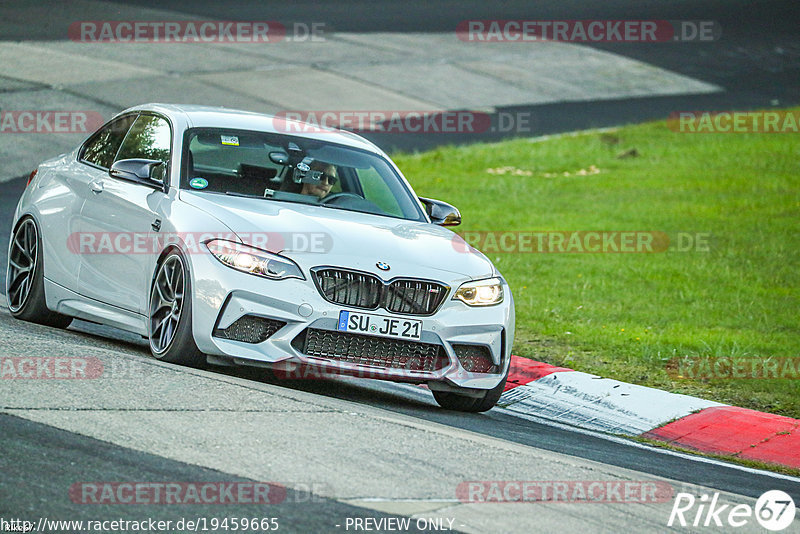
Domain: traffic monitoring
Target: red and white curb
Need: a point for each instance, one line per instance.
(610, 406)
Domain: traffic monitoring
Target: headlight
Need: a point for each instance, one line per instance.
(254, 261)
(481, 293)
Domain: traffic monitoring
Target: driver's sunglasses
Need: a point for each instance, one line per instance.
(329, 177)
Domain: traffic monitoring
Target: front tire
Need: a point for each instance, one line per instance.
(25, 278)
(170, 323)
(462, 403)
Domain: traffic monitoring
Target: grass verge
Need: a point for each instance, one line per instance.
(732, 201)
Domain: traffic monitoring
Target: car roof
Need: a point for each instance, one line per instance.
(196, 116)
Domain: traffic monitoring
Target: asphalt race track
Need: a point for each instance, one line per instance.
(346, 449)
(149, 422)
(756, 64)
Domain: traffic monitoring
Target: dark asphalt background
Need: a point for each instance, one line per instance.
(40, 463)
(756, 60)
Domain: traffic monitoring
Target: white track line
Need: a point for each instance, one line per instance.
(620, 440)
(636, 444)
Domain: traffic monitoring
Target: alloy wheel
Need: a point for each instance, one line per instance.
(166, 304)
(22, 265)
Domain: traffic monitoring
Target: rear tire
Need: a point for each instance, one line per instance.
(462, 403)
(25, 278)
(170, 319)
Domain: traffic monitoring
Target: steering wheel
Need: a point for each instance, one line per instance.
(335, 196)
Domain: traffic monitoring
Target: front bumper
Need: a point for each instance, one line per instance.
(222, 296)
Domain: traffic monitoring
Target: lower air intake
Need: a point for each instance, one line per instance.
(475, 358)
(372, 350)
(250, 329)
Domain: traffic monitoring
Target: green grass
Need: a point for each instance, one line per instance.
(625, 316)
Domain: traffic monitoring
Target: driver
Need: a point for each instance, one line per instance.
(327, 179)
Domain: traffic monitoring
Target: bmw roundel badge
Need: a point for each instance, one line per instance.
(382, 266)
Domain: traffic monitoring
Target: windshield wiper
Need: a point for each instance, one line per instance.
(243, 195)
(274, 197)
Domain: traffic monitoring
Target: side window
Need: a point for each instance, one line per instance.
(102, 147)
(148, 138)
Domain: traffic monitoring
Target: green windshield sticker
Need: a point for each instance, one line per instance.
(198, 183)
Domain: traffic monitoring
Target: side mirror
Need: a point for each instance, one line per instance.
(139, 171)
(441, 213)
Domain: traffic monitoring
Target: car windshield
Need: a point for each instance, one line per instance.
(295, 169)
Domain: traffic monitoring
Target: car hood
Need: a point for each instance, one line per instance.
(316, 236)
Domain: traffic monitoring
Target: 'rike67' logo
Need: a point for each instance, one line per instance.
(774, 510)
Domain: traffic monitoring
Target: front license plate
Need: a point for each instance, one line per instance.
(379, 325)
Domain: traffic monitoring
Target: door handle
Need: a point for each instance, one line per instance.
(96, 186)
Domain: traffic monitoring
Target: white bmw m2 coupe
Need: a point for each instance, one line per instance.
(236, 238)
